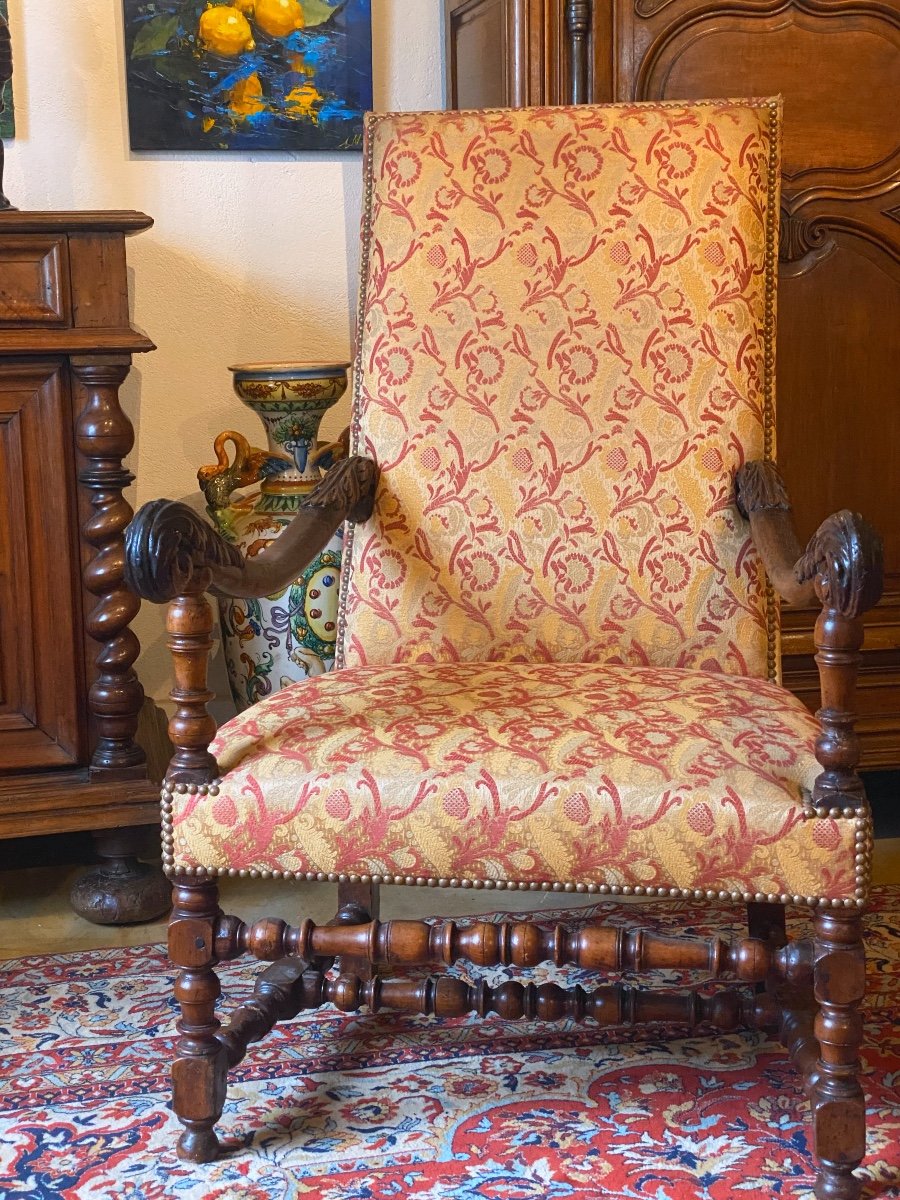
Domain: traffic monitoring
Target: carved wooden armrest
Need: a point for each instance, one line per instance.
(842, 568)
(172, 554)
(170, 551)
(841, 565)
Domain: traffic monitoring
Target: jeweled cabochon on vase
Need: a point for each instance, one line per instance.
(280, 639)
(248, 74)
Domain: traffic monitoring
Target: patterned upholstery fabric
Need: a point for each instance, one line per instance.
(566, 350)
(624, 777)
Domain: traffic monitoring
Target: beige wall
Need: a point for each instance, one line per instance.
(251, 257)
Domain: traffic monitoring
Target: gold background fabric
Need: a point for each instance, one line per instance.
(566, 352)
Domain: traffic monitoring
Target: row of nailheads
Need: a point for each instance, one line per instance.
(863, 842)
(350, 526)
(820, 811)
(772, 614)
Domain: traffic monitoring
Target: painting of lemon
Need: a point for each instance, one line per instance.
(248, 74)
(225, 30)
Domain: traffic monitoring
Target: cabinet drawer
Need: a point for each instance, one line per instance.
(34, 281)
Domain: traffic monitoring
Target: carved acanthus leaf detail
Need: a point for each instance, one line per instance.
(170, 551)
(350, 486)
(758, 486)
(845, 558)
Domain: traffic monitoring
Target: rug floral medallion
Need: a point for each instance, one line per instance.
(337, 1107)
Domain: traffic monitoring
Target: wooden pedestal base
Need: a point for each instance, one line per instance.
(121, 890)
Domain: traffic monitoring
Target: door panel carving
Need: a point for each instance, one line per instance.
(40, 725)
(837, 64)
(700, 55)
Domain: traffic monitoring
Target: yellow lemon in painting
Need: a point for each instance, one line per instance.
(245, 6)
(246, 97)
(279, 18)
(225, 30)
(302, 101)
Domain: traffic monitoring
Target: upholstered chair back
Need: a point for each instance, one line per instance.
(565, 352)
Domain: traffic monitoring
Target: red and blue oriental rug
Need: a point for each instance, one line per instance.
(336, 1107)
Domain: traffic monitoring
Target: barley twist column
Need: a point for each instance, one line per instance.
(121, 889)
(104, 436)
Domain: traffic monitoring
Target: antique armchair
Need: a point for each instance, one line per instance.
(558, 641)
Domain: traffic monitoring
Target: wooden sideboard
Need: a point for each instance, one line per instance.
(69, 697)
(837, 64)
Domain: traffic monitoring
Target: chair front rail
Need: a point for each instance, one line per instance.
(291, 986)
(518, 944)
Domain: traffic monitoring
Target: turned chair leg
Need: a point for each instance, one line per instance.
(767, 922)
(199, 1073)
(838, 1104)
(357, 904)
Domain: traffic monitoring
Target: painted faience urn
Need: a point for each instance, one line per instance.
(281, 639)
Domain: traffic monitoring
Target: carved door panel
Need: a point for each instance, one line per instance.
(838, 67)
(40, 625)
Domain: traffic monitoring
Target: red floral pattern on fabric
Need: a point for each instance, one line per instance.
(564, 358)
(628, 777)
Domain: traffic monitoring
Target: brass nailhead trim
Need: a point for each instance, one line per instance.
(773, 610)
(370, 122)
(863, 842)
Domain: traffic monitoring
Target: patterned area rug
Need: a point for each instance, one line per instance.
(338, 1107)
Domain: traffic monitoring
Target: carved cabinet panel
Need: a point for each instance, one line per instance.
(34, 281)
(69, 698)
(40, 662)
(837, 64)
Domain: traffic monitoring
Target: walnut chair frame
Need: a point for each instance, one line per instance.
(808, 991)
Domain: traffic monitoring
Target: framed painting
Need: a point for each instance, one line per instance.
(248, 75)
(7, 115)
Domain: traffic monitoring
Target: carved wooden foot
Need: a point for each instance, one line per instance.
(838, 1104)
(199, 1073)
(120, 890)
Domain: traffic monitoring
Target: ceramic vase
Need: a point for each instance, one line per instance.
(271, 642)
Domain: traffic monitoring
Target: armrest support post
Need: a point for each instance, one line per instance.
(842, 568)
(173, 555)
(838, 640)
(844, 561)
(189, 622)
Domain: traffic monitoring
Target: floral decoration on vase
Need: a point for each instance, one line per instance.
(281, 639)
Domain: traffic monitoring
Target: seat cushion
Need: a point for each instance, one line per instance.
(612, 779)
(661, 781)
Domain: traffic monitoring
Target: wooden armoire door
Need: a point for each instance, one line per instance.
(837, 64)
(505, 53)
